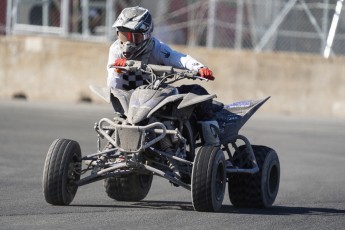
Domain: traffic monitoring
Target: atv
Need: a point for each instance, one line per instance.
(154, 132)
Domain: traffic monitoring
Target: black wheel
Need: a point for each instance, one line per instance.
(132, 187)
(61, 170)
(260, 189)
(208, 179)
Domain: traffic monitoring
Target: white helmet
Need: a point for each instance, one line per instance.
(134, 25)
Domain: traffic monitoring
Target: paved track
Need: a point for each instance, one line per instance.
(311, 195)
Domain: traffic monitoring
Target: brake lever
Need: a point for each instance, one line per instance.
(124, 68)
(201, 78)
(194, 77)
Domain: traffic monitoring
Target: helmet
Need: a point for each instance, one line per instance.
(134, 27)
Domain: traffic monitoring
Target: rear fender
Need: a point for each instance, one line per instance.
(245, 109)
(233, 116)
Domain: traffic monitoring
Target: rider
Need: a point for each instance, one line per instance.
(134, 27)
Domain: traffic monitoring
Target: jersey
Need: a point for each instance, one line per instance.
(161, 54)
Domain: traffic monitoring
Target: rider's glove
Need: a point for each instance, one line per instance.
(120, 62)
(206, 73)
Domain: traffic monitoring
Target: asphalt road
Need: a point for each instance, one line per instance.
(311, 195)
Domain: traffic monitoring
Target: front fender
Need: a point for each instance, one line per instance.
(192, 99)
(102, 92)
(164, 102)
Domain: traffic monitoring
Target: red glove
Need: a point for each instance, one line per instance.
(119, 62)
(206, 73)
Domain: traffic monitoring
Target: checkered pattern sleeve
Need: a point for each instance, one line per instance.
(161, 54)
(126, 81)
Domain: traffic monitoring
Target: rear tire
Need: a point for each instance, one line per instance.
(61, 170)
(260, 189)
(208, 179)
(132, 187)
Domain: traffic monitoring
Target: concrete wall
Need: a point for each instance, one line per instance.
(53, 69)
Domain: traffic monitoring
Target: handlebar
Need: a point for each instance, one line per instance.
(159, 70)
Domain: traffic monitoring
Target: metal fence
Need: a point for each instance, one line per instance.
(263, 25)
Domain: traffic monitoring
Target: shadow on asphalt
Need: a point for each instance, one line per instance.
(166, 205)
(187, 206)
(283, 210)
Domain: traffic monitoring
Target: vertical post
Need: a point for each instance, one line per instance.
(191, 25)
(45, 13)
(324, 24)
(9, 17)
(211, 23)
(14, 12)
(333, 28)
(252, 24)
(85, 17)
(110, 18)
(64, 17)
(162, 8)
(239, 25)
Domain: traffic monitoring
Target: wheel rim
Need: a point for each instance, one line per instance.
(220, 182)
(273, 179)
(73, 174)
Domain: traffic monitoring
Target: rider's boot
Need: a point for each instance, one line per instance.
(209, 132)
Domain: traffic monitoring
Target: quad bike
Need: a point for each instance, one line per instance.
(154, 132)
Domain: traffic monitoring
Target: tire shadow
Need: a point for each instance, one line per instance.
(283, 210)
(148, 204)
(187, 206)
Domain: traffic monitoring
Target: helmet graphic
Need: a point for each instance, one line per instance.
(134, 27)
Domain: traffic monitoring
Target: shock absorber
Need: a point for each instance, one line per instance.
(166, 143)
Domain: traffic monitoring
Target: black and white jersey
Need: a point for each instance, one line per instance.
(161, 54)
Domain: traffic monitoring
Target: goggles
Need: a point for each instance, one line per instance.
(135, 38)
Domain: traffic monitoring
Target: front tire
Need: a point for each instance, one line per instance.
(61, 170)
(260, 189)
(208, 179)
(132, 187)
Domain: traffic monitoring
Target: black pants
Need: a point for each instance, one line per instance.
(204, 110)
